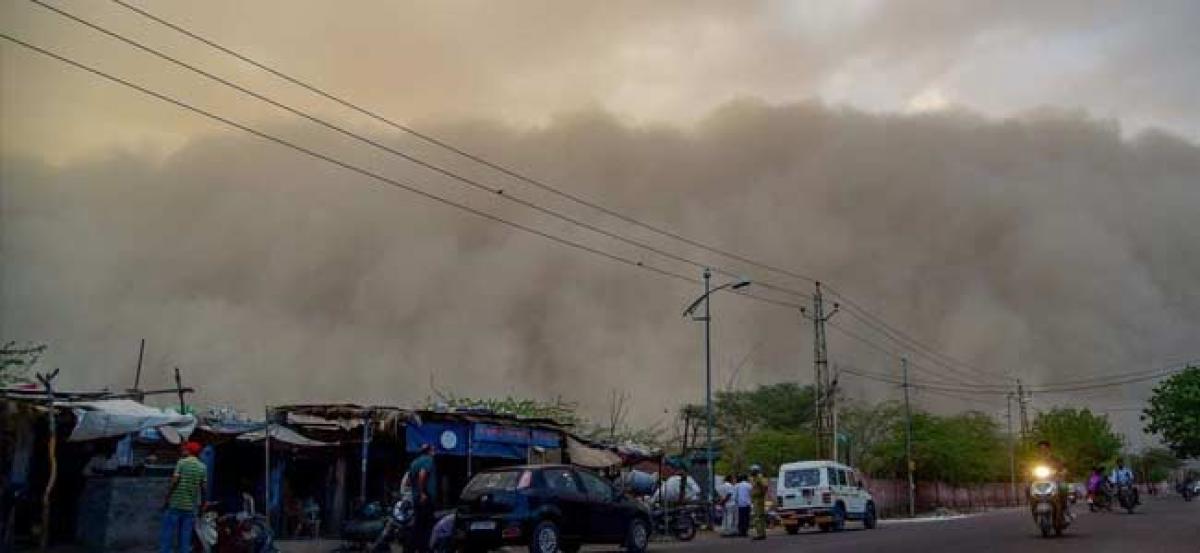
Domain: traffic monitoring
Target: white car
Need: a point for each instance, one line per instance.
(824, 494)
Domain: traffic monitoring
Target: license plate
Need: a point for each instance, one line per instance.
(483, 525)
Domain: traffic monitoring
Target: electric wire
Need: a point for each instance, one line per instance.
(936, 355)
(499, 192)
(365, 172)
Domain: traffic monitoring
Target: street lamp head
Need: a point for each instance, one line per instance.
(740, 284)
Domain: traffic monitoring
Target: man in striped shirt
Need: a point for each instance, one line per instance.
(184, 498)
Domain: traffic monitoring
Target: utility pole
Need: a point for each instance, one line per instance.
(179, 390)
(823, 421)
(47, 380)
(912, 485)
(833, 393)
(1012, 451)
(1022, 401)
(709, 487)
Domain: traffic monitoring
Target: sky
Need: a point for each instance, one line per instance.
(1013, 182)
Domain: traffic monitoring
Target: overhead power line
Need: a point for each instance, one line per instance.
(931, 353)
(538, 183)
(498, 192)
(367, 173)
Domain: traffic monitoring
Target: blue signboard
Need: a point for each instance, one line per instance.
(486, 440)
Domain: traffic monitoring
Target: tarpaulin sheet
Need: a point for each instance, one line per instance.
(591, 457)
(117, 417)
(285, 435)
(486, 440)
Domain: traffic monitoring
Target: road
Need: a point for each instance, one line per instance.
(1166, 525)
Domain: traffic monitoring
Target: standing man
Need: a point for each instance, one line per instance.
(423, 478)
(725, 493)
(184, 498)
(741, 493)
(758, 495)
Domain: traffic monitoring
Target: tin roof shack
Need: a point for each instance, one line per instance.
(91, 440)
(368, 449)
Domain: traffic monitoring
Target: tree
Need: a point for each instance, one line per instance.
(866, 429)
(1174, 413)
(1154, 464)
(16, 360)
(769, 448)
(1080, 438)
(959, 449)
(746, 420)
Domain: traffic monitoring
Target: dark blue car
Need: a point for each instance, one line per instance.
(547, 508)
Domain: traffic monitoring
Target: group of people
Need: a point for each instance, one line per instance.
(185, 498)
(1098, 483)
(745, 500)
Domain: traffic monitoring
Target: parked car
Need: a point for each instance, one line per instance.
(547, 508)
(823, 494)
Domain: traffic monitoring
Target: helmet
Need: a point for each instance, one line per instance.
(755, 469)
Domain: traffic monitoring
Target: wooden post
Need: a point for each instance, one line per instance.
(51, 448)
(179, 390)
(267, 467)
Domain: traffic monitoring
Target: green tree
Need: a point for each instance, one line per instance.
(1153, 464)
(1174, 413)
(769, 448)
(960, 449)
(1079, 437)
(772, 414)
(865, 429)
(16, 361)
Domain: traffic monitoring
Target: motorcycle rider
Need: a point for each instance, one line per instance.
(1122, 476)
(1046, 457)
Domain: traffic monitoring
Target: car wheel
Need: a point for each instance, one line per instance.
(638, 537)
(869, 519)
(839, 517)
(544, 538)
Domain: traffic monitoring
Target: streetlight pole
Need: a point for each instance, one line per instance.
(709, 488)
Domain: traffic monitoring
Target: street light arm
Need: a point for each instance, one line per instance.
(734, 285)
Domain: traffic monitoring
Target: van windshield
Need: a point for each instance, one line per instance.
(802, 478)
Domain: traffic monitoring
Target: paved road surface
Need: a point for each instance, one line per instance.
(1167, 525)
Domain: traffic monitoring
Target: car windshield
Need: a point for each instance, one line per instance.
(487, 482)
(802, 478)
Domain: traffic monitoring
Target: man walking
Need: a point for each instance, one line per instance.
(741, 493)
(423, 478)
(758, 495)
(184, 498)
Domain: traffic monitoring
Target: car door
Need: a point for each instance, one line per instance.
(856, 497)
(606, 522)
(838, 483)
(564, 490)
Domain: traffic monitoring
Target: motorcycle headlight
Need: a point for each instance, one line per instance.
(1042, 472)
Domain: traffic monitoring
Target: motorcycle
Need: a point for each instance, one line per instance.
(1187, 490)
(1049, 511)
(1101, 499)
(234, 532)
(1126, 497)
(679, 522)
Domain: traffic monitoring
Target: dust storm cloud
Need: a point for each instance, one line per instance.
(1047, 245)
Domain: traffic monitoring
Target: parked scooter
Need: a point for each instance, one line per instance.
(374, 530)
(1049, 510)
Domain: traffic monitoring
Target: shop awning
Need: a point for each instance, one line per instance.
(117, 417)
(285, 435)
(591, 457)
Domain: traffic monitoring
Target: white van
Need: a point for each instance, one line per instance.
(822, 493)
